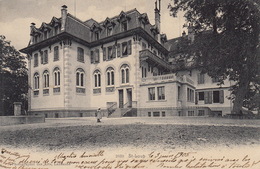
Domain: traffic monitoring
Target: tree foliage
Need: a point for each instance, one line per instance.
(226, 43)
(13, 77)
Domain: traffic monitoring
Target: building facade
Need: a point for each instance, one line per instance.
(120, 65)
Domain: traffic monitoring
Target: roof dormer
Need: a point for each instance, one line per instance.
(123, 17)
(108, 22)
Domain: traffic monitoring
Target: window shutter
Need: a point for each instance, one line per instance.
(97, 55)
(221, 96)
(196, 97)
(129, 47)
(206, 97)
(104, 53)
(41, 58)
(92, 56)
(118, 50)
(114, 51)
(210, 97)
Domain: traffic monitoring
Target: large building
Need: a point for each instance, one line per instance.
(123, 65)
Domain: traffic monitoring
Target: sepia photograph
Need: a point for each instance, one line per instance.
(124, 84)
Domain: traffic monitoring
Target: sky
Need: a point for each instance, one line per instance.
(17, 15)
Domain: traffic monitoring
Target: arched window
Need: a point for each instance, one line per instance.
(97, 78)
(80, 76)
(110, 76)
(46, 83)
(56, 73)
(36, 81)
(124, 73)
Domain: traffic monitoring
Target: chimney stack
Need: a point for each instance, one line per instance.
(158, 18)
(63, 17)
(31, 35)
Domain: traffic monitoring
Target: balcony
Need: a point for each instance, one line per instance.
(148, 56)
(167, 78)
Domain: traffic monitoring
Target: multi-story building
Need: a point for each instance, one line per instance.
(121, 65)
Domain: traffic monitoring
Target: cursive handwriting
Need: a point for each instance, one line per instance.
(104, 160)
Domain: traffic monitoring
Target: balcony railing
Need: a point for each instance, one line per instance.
(110, 89)
(167, 78)
(56, 90)
(45, 91)
(148, 55)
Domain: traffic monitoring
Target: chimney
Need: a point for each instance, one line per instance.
(158, 18)
(31, 35)
(191, 33)
(63, 17)
(183, 33)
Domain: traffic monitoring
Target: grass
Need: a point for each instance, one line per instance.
(167, 136)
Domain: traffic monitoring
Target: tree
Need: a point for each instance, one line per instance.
(13, 77)
(226, 43)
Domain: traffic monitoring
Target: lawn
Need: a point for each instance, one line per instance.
(166, 136)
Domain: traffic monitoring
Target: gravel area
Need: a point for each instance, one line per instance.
(170, 133)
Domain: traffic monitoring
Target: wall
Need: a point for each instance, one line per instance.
(101, 99)
(52, 100)
(13, 120)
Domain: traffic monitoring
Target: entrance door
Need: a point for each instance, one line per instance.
(121, 98)
(129, 96)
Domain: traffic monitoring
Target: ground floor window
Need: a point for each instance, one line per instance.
(190, 113)
(156, 114)
(201, 113)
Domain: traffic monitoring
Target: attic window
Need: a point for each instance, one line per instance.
(96, 35)
(124, 26)
(45, 34)
(56, 30)
(109, 30)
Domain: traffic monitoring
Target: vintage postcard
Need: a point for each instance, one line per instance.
(111, 86)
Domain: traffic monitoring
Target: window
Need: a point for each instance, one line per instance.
(124, 26)
(46, 79)
(127, 48)
(45, 57)
(80, 77)
(161, 93)
(163, 114)
(36, 60)
(149, 114)
(56, 77)
(36, 81)
(124, 73)
(124, 48)
(156, 114)
(109, 30)
(45, 34)
(143, 45)
(179, 92)
(80, 56)
(216, 96)
(56, 30)
(201, 113)
(56, 53)
(190, 113)
(215, 79)
(201, 96)
(95, 56)
(80, 82)
(190, 95)
(110, 77)
(36, 38)
(104, 53)
(96, 35)
(118, 50)
(110, 52)
(151, 92)
(97, 78)
(201, 79)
